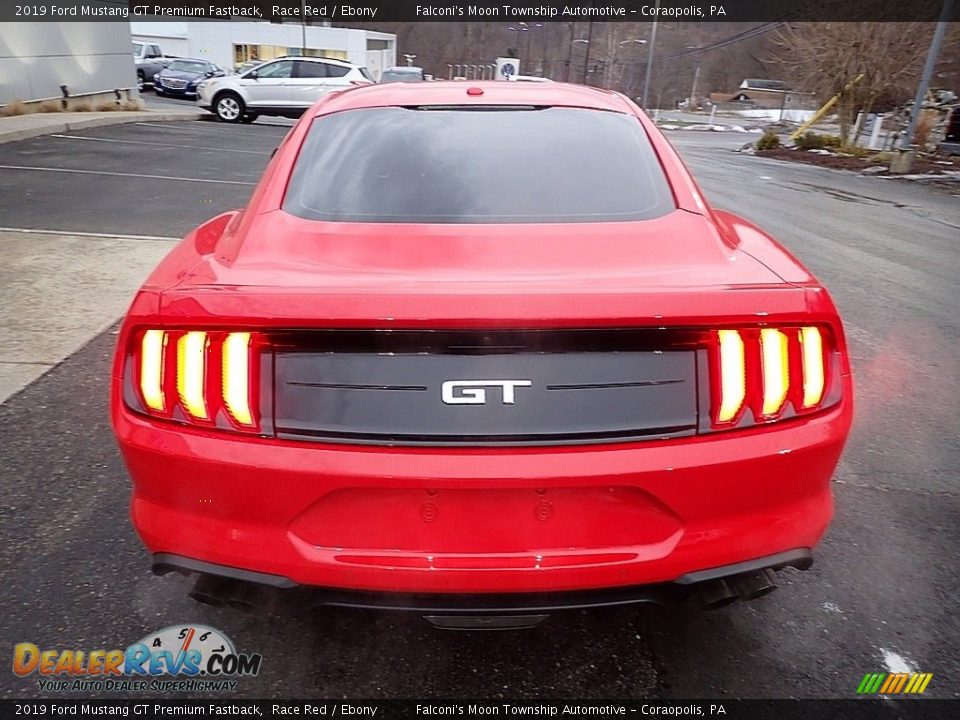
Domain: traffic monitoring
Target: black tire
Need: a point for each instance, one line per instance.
(228, 107)
(249, 118)
(141, 81)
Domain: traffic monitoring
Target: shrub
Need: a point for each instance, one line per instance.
(768, 141)
(14, 107)
(107, 107)
(813, 141)
(50, 106)
(132, 105)
(81, 107)
(809, 141)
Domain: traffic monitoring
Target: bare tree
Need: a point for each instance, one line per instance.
(826, 57)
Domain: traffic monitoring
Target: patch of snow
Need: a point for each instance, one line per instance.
(832, 608)
(926, 176)
(704, 126)
(896, 663)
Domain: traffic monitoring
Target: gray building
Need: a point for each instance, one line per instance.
(90, 58)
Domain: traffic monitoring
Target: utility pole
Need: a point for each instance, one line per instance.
(693, 91)
(586, 59)
(653, 41)
(543, 53)
(303, 27)
(573, 31)
(907, 140)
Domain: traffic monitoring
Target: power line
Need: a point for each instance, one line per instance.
(732, 40)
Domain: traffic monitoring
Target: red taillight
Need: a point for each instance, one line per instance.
(203, 378)
(764, 374)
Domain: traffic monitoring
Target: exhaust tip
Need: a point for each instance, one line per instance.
(235, 594)
(209, 590)
(715, 594)
(751, 586)
(246, 597)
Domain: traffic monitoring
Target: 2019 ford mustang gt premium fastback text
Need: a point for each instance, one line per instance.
(475, 348)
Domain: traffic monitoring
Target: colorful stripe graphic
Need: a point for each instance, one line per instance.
(894, 683)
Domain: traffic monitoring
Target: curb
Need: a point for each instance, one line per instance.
(117, 118)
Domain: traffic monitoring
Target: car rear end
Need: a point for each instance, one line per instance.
(508, 388)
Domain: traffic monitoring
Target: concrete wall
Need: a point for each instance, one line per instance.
(214, 41)
(88, 57)
(771, 114)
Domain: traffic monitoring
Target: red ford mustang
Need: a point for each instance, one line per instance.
(474, 348)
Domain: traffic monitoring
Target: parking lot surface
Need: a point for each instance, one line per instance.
(884, 594)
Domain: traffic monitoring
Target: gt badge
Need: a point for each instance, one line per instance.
(474, 392)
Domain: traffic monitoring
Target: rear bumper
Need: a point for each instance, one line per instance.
(481, 520)
(488, 603)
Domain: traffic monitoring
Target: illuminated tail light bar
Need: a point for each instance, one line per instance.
(766, 374)
(733, 380)
(236, 377)
(152, 348)
(192, 373)
(198, 377)
(775, 369)
(813, 371)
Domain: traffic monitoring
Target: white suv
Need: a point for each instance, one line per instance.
(286, 86)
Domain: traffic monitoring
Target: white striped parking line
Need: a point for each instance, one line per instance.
(73, 233)
(133, 175)
(167, 145)
(215, 128)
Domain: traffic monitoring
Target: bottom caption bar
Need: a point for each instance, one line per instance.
(867, 709)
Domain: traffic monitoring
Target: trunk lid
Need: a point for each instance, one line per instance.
(311, 274)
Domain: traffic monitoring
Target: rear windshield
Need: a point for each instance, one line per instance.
(488, 165)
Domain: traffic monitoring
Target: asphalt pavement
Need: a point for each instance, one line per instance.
(884, 594)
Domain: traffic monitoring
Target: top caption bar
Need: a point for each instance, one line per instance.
(297, 11)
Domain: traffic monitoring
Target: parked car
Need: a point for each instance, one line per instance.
(148, 60)
(285, 87)
(429, 369)
(402, 74)
(181, 77)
